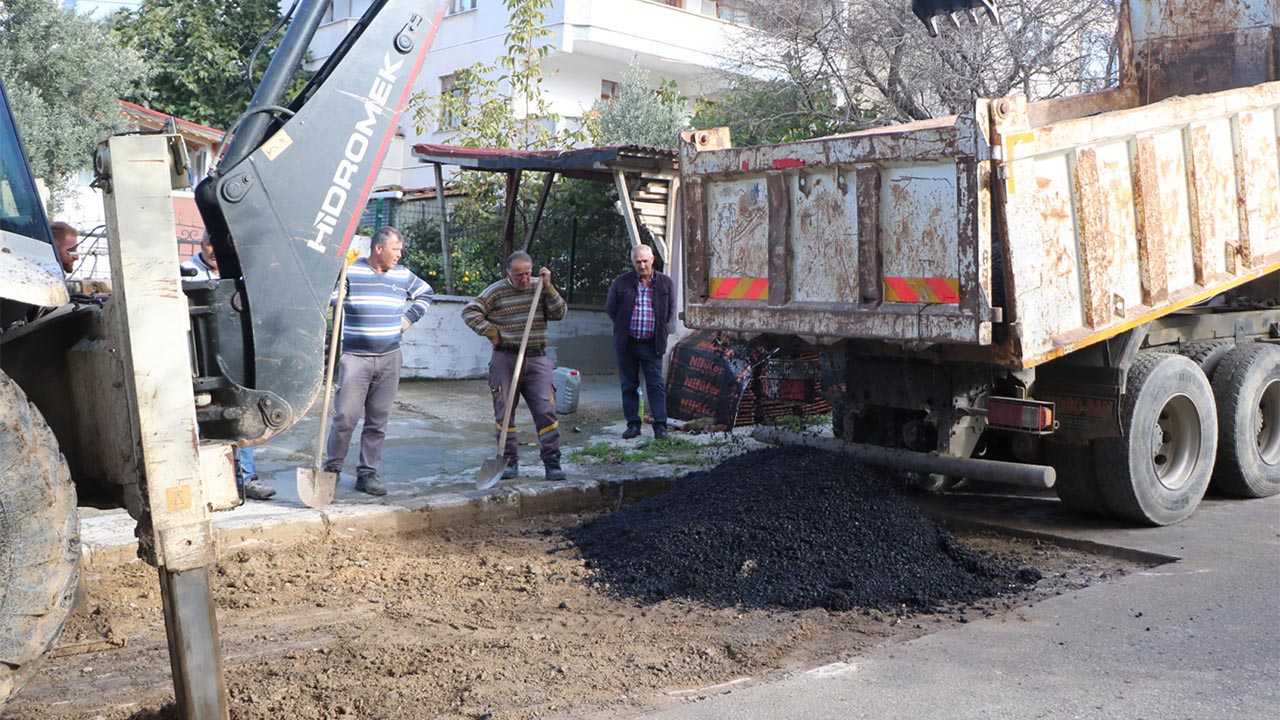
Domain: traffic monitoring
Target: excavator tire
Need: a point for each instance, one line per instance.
(39, 538)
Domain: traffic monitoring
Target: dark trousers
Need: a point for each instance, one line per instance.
(537, 387)
(640, 356)
(368, 385)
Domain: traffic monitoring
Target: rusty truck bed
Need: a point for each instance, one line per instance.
(1067, 221)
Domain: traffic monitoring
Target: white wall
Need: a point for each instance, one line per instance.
(441, 346)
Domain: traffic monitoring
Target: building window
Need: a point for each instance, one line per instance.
(727, 11)
(458, 6)
(609, 90)
(449, 89)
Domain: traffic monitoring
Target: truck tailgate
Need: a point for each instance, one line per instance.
(881, 234)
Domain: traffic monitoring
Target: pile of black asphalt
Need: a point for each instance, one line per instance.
(788, 528)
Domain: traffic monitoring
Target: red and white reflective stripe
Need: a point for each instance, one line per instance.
(746, 288)
(935, 291)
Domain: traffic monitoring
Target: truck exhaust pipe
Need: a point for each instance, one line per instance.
(1030, 476)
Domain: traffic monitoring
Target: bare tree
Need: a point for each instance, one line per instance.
(856, 63)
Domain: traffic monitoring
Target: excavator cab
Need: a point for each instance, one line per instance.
(930, 10)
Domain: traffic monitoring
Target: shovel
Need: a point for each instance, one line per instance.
(491, 471)
(316, 486)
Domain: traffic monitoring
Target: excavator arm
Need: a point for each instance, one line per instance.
(281, 208)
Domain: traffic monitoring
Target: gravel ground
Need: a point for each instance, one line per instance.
(512, 621)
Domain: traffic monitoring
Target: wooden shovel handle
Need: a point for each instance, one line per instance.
(333, 358)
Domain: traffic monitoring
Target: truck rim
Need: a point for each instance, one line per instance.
(1176, 442)
(1269, 423)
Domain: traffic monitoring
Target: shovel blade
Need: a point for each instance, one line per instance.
(316, 487)
(490, 473)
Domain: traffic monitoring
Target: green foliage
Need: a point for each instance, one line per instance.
(64, 75)
(502, 105)
(767, 112)
(641, 115)
(199, 52)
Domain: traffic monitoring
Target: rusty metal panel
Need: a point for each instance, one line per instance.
(696, 253)
(867, 207)
(1215, 230)
(779, 224)
(1119, 218)
(920, 216)
(738, 228)
(824, 250)
(1259, 186)
(1200, 46)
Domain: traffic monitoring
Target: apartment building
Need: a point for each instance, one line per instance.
(593, 42)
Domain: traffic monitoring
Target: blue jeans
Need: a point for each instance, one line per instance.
(246, 468)
(642, 357)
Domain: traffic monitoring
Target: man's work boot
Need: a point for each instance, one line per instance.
(368, 483)
(632, 431)
(554, 473)
(511, 470)
(255, 490)
(659, 432)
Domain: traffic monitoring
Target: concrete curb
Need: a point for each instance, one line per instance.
(108, 540)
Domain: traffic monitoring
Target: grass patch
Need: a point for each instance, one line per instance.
(799, 423)
(670, 450)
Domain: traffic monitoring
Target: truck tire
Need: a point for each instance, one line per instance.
(1158, 470)
(39, 538)
(1077, 479)
(1247, 390)
(1208, 354)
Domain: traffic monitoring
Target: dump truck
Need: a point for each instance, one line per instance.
(136, 398)
(1078, 292)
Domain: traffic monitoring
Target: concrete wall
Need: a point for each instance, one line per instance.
(441, 346)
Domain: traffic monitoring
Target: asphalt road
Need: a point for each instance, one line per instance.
(1195, 636)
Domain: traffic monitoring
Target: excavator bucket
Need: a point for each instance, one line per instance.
(929, 10)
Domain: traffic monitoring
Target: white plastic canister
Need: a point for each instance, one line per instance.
(568, 384)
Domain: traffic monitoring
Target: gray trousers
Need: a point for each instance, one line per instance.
(367, 384)
(537, 386)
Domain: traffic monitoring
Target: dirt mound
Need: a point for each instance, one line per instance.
(788, 528)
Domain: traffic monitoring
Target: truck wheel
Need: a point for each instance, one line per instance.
(1158, 470)
(1077, 480)
(1247, 389)
(39, 538)
(1208, 354)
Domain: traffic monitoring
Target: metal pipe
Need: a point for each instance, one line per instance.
(445, 249)
(1035, 476)
(195, 655)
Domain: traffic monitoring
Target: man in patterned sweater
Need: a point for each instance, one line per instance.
(383, 300)
(499, 313)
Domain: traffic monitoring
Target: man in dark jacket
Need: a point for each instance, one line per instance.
(642, 306)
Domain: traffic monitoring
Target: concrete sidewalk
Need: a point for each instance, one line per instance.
(439, 434)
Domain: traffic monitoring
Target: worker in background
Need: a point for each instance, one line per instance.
(204, 266)
(65, 240)
(499, 313)
(383, 301)
(641, 303)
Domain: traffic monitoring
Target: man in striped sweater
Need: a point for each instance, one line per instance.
(383, 300)
(499, 313)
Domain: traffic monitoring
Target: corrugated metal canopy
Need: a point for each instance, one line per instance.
(596, 163)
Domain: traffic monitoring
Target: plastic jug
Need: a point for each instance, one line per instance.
(568, 384)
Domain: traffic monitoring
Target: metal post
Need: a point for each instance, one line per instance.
(194, 656)
(151, 311)
(445, 250)
(509, 212)
(573, 255)
(537, 215)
